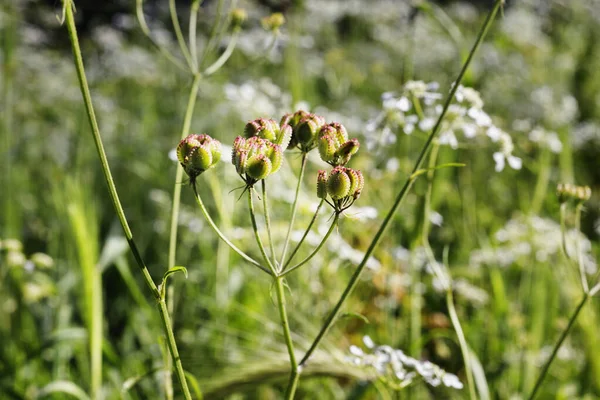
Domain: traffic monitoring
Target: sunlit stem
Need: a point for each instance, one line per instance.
(316, 250)
(259, 242)
(306, 232)
(403, 191)
(294, 207)
(268, 220)
(221, 235)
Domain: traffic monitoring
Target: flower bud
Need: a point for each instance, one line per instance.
(238, 16)
(273, 22)
(197, 153)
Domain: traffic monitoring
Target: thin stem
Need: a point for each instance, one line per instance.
(192, 33)
(164, 314)
(257, 235)
(70, 22)
(185, 130)
(221, 235)
(139, 11)
(563, 229)
(213, 32)
(464, 348)
(584, 282)
(291, 390)
(214, 67)
(563, 336)
(308, 228)
(294, 207)
(179, 35)
(543, 178)
(401, 195)
(316, 250)
(268, 220)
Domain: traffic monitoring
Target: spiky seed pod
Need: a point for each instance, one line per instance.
(258, 167)
(197, 153)
(338, 131)
(349, 148)
(338, 183)
(569, 192)
(269, 129)
(583, 193)
(357, 182)
(275, 154)
(308, 129)
(327, 148)
(322, 184)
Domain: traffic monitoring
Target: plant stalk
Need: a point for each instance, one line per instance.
(294, 208)
(403, 191)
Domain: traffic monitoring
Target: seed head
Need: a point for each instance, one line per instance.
(197, 153)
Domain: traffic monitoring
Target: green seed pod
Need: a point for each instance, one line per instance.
(273, 22)
(275, 155)
(258, 167)
(42, 260)
(200, 159)
(337, 130)
(583, 193)
(238, 16)
(306, 132)
(338, 183)
(349, 148)
(357, 182)
(322, 184)
(284, 137)
(197, 153)
(327, 148)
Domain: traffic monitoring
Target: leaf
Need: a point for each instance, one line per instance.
(356, 315)
(194, 384)
(167, 274)
(67, 387)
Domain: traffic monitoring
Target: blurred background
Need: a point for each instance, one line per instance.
(497, 229)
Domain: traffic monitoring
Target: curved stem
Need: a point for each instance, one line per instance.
(562, 338)
(293, 382)
(464, 348)
(70, 22)
(213, 32)
(294, 208)
(312, 221)
(139, 12)
(268, 220)
(179, 35)
(401, 195)
(272, 269)
(221, 235)
(316, 250)
(214, 67)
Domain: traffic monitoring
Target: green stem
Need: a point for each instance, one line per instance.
(164, 314)
(272, 269)
(139, 11)
(214, 67)
(268, 220)
(87, 98)
(221, 235)
(401, 195)
(179, 35)
(563, 336)
(584, 282)
(194, 8)
(185, 130)
(293, 382)
(543, 178)
(294, 207)
(316, 250)
(312, 221)
(464, 348)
